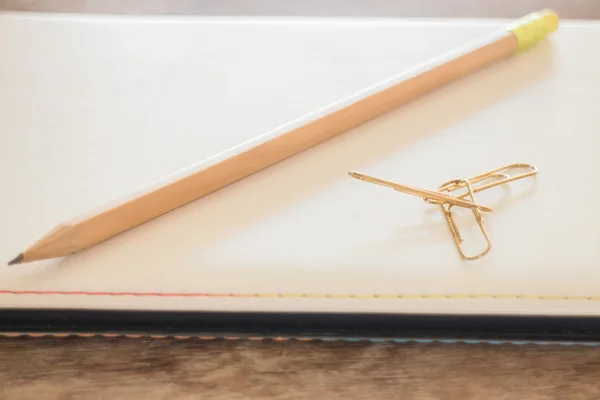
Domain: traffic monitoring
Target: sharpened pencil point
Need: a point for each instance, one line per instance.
(17, 259)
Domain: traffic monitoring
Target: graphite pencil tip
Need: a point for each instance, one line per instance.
(17, 259)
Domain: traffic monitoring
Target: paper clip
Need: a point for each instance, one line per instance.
(444, 198)
(478, 218)
(498, 176)
(434, 196)
(501, 173)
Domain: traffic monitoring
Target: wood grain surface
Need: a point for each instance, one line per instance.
(193, 369)
(149, 369)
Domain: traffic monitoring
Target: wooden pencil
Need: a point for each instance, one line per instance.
(272, 147)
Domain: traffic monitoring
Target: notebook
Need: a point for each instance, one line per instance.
(95, 107)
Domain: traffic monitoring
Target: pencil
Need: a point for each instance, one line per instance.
(272, 147)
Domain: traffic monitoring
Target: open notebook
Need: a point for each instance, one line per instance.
(96, 107)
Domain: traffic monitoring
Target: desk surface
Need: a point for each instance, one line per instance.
(240, 370)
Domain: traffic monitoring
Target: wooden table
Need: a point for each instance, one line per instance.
(98, 368)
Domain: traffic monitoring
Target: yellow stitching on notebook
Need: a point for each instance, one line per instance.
(455, 296)
(340, 296)
(313, 296)
(291, 295)
(505, 296)
(530, 297)
(441, 296)
(553, 297)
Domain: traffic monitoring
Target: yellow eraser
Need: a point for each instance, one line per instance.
(534, 27)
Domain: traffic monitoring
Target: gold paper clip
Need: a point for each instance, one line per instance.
(429, 195)
(478, 218)
(442, 197)
(498, 176)
(501, 173)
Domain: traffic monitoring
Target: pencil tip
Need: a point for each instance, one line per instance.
(17, 259)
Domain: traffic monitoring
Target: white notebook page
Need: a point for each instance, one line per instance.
(94, 108)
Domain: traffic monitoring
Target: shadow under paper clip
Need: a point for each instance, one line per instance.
(445, 198)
